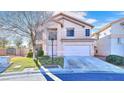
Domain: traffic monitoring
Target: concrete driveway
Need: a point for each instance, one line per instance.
(88, 63)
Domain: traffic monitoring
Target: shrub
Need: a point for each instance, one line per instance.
(30, 54)
(40, 52)
(44, 57)
(46, 60)
(114, 59)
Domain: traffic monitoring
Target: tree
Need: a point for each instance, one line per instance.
(18, 42)
(3, 42)
(25, 24)
(29, 44)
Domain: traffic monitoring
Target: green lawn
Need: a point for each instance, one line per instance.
(20, 63)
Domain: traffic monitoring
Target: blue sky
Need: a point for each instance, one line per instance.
(101, 18)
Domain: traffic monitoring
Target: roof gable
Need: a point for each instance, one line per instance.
(71, 19)
(107, 26)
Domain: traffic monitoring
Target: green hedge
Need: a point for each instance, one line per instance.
(30, 54)
(46, 60)
(40, 52)
(114, 59)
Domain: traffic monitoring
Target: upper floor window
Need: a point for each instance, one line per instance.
(87, 32)
(120, 40)
(70, 32)
(53, 35)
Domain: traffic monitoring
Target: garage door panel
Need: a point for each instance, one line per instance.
(76, 50)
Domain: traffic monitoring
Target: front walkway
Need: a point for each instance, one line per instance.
(22, 76)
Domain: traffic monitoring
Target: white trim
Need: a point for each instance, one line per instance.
(50, 74)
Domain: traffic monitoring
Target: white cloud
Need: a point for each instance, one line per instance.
(90, 20)
(100, 25)
(76, 14)
(82, 16)
(79, 15)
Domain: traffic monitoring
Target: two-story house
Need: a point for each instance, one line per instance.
(72, 37)
(110, 39)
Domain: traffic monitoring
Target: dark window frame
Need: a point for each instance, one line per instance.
(70, 32)
(87, 32)
(51, 35)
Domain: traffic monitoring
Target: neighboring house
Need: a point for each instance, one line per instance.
(110, 39)
(72, 37)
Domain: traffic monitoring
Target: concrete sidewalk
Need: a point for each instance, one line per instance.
(22, 76)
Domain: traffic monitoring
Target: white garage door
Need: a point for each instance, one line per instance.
(76, 50)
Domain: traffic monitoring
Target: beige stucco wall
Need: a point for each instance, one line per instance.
(79, 30)
(103, 46)
(108, 41)
(79, 33)
(61, 34)
(117, 32)
(105, 33)
(117, 28)
(46, 42)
